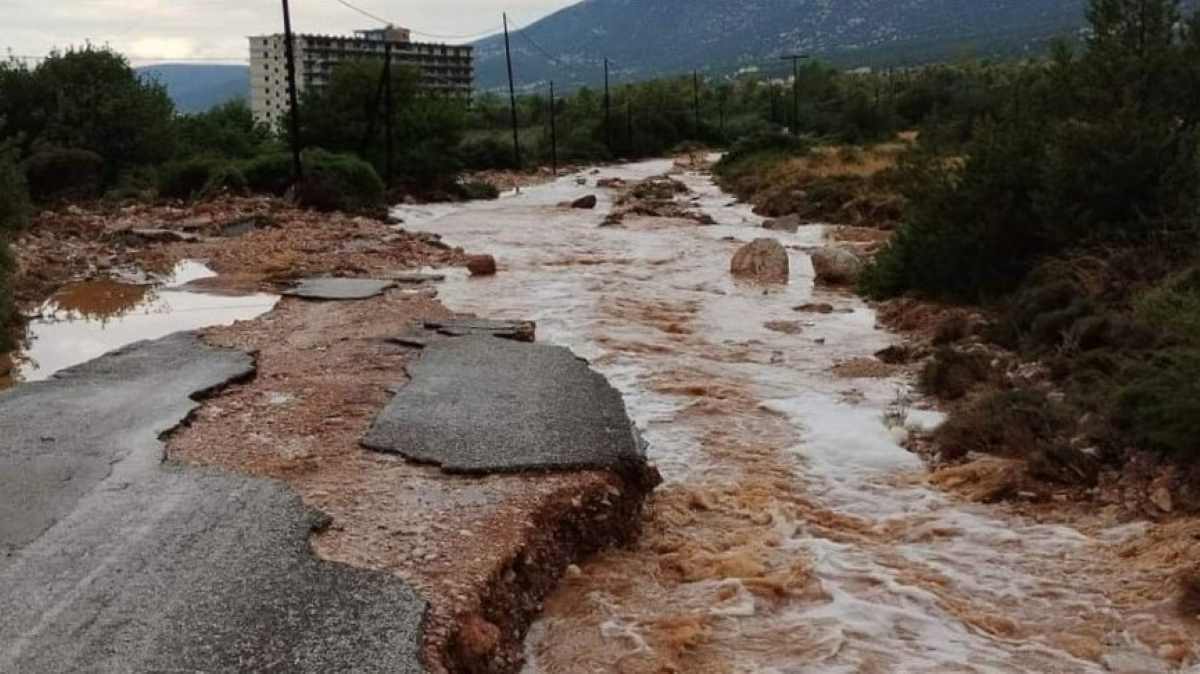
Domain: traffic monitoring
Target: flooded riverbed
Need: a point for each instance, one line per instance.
(794, 534)
(86, 319)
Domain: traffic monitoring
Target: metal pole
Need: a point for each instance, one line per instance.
(607, 109)
(387, 107)
(294, 116)
(795, 59)
(629, 124)
(512, 95)
(553, 131)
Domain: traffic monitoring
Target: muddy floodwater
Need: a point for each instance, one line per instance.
(87, 319)
(794, 533)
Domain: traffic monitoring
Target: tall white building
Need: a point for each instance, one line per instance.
(449, 69)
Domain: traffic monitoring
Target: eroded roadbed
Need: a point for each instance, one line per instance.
(481, 404)
(113, 561)
(483, 550)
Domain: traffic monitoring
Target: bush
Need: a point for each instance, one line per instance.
(1174, 307)
(1160, 407)
(64, 175)
(268, 174)
(334, 182)
(762, 148)
(1006, 423)
(488, 152)
(478, 190)
(195, 178)
(140, 183)
(950, 374)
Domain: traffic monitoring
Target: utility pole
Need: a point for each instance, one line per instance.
(696, 100)
(629, 124)
(294, 117)
(607, 109)
(553, 131)
(722, 104)
(387, 107)
(512, 96)
(795, 59)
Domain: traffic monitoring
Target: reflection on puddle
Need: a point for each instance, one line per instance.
(87, 319)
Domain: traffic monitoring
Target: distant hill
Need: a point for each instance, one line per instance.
(196, 88)
(647, 38)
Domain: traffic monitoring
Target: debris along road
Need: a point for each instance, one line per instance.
(114, 561)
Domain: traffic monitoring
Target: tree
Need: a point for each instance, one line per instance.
(91, 99)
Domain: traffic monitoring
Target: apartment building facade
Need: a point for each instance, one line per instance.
(445, 69)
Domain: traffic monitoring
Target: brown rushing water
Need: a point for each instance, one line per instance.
(793, 534)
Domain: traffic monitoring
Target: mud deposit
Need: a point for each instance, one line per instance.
(794, 533)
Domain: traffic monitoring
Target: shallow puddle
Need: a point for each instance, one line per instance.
(87, 319)
(794, 534)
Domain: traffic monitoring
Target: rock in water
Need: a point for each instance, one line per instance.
(587, 202)
(481, 265)
(763, 260)
(836, 266)
(788, 223)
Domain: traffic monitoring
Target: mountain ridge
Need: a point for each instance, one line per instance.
(648, 38)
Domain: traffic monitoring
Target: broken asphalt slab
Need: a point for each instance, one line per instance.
(478, 405)
(338, 289)
(521, 331)
(112, 561)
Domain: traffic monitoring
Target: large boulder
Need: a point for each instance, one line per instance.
(481, 265)
(788, 223)
(836, 266)
(763, 260)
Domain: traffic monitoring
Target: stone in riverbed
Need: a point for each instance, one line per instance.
(481, 265)
(764, 260)
(836, 266)
(587, 203)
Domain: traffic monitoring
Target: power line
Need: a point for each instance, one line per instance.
(364, 12)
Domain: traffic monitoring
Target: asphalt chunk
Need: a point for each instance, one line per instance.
(521, 331)
(113, 561)
(338, 289)
(479, 405)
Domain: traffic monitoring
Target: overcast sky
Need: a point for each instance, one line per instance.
(180, 29)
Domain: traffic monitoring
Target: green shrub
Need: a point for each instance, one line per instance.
(139, 183)
(478, 190)
(64, 175)
(970, 231)
(195, 178)
(269, 173)
(762, 148)
(488, 152)
(339, 182)
(950, 374)
(1006, 423)
(1160, 406)
(1174, 307)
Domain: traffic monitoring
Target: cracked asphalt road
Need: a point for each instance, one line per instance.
(480, 404)
(111, 561)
